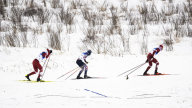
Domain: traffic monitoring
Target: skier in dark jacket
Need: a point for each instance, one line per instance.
(37, 64)
(151, 59)
(81, 62)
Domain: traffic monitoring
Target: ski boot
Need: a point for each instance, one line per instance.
(157, 73)
(78, 77)
(27, 76)
(145, 73)
(85, 76)
(38, 79)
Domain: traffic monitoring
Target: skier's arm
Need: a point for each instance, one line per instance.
(49, 52)
(154, 53)
(85, 61)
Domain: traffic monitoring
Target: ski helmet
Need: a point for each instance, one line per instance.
(161, 47)
(89, 52)
(43, 54)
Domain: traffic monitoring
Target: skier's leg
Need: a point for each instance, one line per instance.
(150, 65)
(40, 72)
(81, 65)
(86, 69)
(35, 69)
(157, 65)
(82, 68)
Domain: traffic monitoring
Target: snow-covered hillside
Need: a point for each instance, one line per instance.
(114, 27)
(109, 91)
(119, 33)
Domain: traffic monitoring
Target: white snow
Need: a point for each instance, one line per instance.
(107, 91)
(150, 91)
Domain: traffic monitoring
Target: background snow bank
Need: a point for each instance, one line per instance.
(158, 91)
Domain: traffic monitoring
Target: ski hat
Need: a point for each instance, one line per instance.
(161, 47)
(89, 52)
(43, 54)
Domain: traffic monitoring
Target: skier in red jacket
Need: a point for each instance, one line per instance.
(36, 64)
(151, 59)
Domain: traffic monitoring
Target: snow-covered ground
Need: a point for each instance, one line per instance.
(169, 91)
(108, 90)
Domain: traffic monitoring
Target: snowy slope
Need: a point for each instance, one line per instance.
(109, 91)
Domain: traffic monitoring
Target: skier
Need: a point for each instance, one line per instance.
(81, 62)
(151, 59)
(37, 66)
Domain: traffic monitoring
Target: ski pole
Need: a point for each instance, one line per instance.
(131, 69)
(68, 72)
(46, 66)
(44, 62)
(134, 70)
(72, 73)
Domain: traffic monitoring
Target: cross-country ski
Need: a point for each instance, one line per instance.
(90, 78)
(155, 74)
(31, 81)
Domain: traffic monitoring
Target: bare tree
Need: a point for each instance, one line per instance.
(0, 24)
(189, 30)
(5, 3)
(11, 38)
(144, 46)
(16, 15)
(188, 9)
(44, 15)
(55, 3)
(125, 38)
(92, 40)
(1, 40)
(67, 18)
(169, 44)
(44, 2)
(143, 10)
(75, 4)
(54, 38)
(23, 39)
(31, 12)
(14, 3)
(2, 9)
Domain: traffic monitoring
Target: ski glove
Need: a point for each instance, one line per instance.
(146, 61)
(50, 51)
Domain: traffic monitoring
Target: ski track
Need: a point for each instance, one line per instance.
(71, 93)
